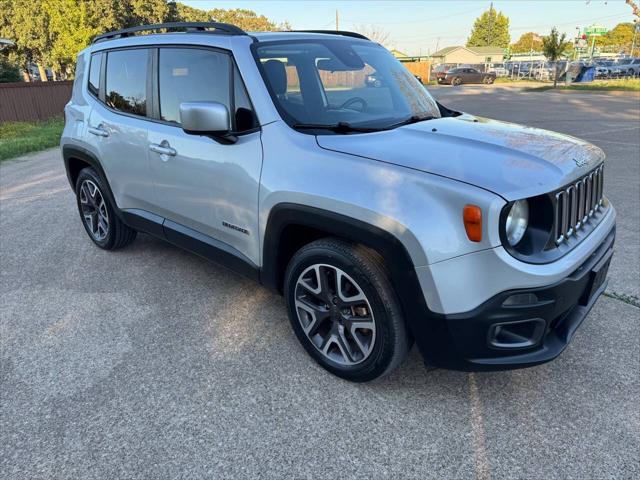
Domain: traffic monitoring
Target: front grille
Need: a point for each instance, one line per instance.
(576, 204)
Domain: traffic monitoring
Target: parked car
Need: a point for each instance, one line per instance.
(629, 67)
(603, 68)
(499, 70)
(458, 76)
(381, 215)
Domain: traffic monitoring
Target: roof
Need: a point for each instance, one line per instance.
(443, 51)
(475, 50)
(398, 53)
(487, 50)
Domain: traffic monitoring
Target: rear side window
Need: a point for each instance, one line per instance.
(126, 83)
(94, 73)
(191, 75)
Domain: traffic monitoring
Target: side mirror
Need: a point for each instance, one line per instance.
(207, 118)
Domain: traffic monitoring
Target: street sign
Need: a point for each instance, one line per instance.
(595, 31)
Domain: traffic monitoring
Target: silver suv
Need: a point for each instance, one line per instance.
(382, 216)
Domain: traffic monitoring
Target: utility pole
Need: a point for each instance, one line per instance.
(636, 27)
(337, 23)
(490, 25)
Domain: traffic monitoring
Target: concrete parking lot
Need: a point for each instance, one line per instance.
(152, 363)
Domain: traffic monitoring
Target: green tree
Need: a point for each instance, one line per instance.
(52, 32)
(491, 29)
(9, 71)
(527, 42)
(554, 46)
(189, 14)
(618, 38)
(246, 19)
(26, 23)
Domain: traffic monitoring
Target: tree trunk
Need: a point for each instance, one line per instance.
(25, 75)
(43, 73)
(555, 76)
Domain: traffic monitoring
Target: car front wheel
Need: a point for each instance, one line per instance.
(344, 311)
(456, 81)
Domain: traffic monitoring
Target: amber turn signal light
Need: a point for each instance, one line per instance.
(472, 217)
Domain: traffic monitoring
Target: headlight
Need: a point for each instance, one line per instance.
(517, 222)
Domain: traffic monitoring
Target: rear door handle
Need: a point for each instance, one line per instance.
(99, 131)
(163, 149)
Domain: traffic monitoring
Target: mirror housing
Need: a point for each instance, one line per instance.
(207, 118)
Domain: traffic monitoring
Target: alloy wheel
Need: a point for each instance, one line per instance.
(335, 314)
(94, 210)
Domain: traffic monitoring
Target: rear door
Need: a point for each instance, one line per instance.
(117, 127)
(208, 187)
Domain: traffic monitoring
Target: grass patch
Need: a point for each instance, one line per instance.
(516, 80)
(620, 85)
(18, 138)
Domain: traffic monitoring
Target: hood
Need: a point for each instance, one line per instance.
(511, 160)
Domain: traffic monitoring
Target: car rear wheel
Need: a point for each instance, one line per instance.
(344, 311)
(97, 213)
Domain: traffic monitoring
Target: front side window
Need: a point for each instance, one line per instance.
(126, 84)
(341, 81)
(191, 75)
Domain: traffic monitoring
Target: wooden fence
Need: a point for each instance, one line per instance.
(423, 69)
(21, 102)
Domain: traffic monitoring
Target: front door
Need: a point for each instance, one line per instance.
(201, 184)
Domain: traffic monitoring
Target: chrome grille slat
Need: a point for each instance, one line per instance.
(576, 204)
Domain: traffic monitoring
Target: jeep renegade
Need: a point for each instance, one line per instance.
(382, 216)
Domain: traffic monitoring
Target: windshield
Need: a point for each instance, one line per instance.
(346, 82)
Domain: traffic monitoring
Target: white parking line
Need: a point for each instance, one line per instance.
(477, 431)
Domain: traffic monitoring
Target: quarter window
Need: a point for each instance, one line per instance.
(126, 84)
(244, 117)
(94, 73)
(191, 75)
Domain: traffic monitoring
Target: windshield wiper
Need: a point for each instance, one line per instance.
(410, 120)
(340, 127)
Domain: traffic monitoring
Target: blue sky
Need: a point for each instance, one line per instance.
(420, 26)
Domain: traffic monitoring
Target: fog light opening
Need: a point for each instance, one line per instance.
(519, 334)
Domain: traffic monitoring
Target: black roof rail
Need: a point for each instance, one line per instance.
(209, 27)
(344, 33)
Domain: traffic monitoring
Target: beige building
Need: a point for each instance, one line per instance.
(471, 55)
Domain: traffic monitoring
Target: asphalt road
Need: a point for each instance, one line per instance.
(151, 363)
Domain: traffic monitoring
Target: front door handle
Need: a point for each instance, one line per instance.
(163, 149)
(99, 131)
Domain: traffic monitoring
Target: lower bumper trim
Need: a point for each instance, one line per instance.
(469, 341)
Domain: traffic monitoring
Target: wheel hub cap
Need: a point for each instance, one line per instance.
(335, 314)
(94, 210)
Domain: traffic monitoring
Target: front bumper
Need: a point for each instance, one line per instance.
(499, 336)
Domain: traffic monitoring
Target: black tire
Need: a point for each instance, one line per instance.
(391, 341)
(456, 81)
(488, 80)
(117, 233)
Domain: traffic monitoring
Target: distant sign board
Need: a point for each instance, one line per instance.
(595, 31)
